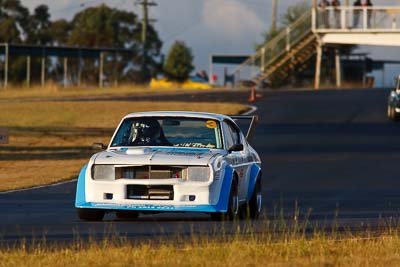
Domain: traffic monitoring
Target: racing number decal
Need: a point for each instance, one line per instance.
(211, 124)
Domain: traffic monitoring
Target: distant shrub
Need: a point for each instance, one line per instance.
(178, 64)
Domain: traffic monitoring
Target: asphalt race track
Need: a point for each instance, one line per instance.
(328, 156)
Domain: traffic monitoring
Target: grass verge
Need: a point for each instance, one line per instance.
(50, 141)
(256, 250)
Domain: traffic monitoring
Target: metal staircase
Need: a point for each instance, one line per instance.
(286, 53)
(291, 50)
(279, 70)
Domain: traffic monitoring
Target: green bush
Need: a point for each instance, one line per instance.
(178, 64)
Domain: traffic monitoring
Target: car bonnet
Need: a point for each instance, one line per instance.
(156, 156)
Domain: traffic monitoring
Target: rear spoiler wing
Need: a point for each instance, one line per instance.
(252, 126)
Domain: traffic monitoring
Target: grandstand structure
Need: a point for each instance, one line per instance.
(293, 48)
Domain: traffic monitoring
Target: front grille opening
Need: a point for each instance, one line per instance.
(150, 172)
(159, 172)
(150, 192)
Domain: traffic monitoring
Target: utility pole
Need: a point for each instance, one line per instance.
(274, 12)
(6, 62)
(145, 22)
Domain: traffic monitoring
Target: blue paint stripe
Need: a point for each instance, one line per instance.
(148, 207)
(180, 149)
(254, 171)
(80, 198)
(222, 205)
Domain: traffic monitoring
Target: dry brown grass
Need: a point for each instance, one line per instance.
(261, 251)
(52, 90)
(22, 174)
(96, 114)
(50, 141)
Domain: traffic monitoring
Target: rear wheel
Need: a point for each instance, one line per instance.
(90, 214)
(395, 115)
(391, 113)
(127, 214)
(233, 205)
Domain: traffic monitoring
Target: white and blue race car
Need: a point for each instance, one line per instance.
(173, 162)
(393, 107)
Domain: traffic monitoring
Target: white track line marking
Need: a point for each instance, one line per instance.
(251, 111)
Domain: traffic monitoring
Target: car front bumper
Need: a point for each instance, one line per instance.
(187, 196)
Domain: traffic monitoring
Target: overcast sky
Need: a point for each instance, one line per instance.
(207, 26)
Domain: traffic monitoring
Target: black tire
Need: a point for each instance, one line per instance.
(93, 215)
(217, 216)
(127, 214)
(255, 202)
(391, 113)
(252, 209)
(233, 205)
(396, 116)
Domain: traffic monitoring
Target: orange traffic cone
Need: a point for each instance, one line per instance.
(252, 97)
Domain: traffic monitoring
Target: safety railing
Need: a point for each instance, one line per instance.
(376, 19)
(281, 44)
(356, 19)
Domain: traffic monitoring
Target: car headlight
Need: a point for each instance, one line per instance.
(198, 174)
(103, 172)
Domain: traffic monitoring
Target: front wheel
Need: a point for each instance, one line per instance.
(90, 214)
(255, 202)
(233, 205)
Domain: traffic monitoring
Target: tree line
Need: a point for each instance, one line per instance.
(100, 26)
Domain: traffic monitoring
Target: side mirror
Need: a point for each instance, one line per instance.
(236, 147)
(99, 146)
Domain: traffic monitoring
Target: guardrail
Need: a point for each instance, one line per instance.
(275, 48)
(356, 19)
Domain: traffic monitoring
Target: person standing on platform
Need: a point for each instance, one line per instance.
(367, 4)
(324, 15)
(369, 13)
(356, 13)
(336, 13)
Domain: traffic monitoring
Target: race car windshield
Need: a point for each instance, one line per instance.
(169, 131)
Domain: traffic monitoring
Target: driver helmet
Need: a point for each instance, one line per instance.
(145, 131)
